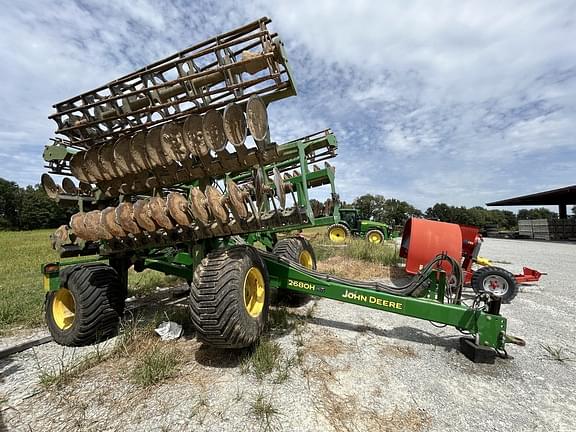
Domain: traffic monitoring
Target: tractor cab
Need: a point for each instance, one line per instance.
(351, 217)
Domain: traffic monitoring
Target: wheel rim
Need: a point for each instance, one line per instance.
(496, 285)
(306, 259)
(375, 237)
(63, 309)
(337, 234)
(254, 292)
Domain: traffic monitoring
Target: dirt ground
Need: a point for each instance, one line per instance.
(341, 368)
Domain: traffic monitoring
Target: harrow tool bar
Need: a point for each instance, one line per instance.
(204, 77)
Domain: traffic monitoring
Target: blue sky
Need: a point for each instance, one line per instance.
(444, 101)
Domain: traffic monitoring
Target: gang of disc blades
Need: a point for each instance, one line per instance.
(143, 216)
(193, 136)
(108, 168)
(237, 199)
(108, 221)
(177, 207)
(125, 217)
(213, 130)
(93, 226)
(172, 142)
(198, 206)
(69, 187)
(235, 126)
(280, 187)
(215, 202)
(138, 151)
(49, 186)
(159, 212)
(123, 156)
(153, 148)
(257, 117)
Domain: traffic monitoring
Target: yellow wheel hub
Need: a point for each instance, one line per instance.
(337, 234)
(63, 309)
(375, 237)
(306, 259)
(254, 292)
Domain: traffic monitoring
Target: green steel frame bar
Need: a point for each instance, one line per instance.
(490, 330)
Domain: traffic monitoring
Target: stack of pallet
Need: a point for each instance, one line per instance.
(547, 229)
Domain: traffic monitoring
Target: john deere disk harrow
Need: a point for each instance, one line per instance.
(174, 168)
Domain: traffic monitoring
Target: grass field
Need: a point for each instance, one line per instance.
(22, 253)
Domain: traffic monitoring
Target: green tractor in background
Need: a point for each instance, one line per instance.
(350, 224)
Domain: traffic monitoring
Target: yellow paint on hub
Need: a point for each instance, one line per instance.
(337, 234)
(254, 292)
(63, 309)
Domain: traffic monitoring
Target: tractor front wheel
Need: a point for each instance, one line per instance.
(338, 233)
(375, 236)
(496, 281)
(87, 308)
(298, 250)
(229, 298)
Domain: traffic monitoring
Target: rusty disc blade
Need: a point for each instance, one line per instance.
(172, 142)
(257, 117)
(108, 168)
(193, 136)
(143, 216)
(237, 199)
(125, 217)
(235, 124)
(108, 221)
(154, 149)
(178, 208)
(77, 225)
(76, 166)
(259, 185)
(123, 157)
(93, 226)
(59, 236)
(198, 206)
(216, 204)
(69, 187)
(280, 187)
(50, 186)
(138, 151)
(159, 212)
(91, 164)
(213, 130)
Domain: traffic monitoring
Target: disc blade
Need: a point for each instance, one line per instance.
(91, 164)
(108, 221)
(159, 212)
(216, 205)
(69, 187)
(257, 117)
(138, 151)
(107, 165)
(50, 186)
(178, 208)
(193, 136)
(280, 187)
(235, 124)
(143, 216)
(198, 206)
(85, 188)
(213, 130)
(237, 199)
(77, 225)
(76, 166)
(123, 157)
(94, 227)
(153, 149)
(172, 142)
(125, 217)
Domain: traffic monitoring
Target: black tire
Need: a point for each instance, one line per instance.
(375, 232)
(338, 233)
(293, 249)
(97, 303)
(505, 280)
(217, 298)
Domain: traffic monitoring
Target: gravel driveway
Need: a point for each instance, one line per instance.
(347, 369)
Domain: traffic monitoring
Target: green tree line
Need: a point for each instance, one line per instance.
(29, 208)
